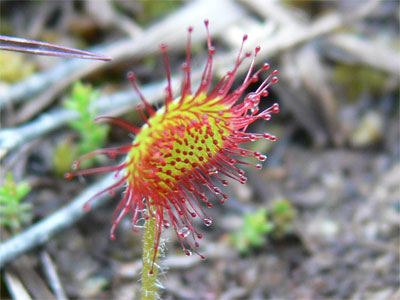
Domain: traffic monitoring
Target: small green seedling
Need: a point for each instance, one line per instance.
(282, 214)
(92, 136)
(259, 226)
(253, 232)
(13, 213)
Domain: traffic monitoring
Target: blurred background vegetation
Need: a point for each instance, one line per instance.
(321, 221)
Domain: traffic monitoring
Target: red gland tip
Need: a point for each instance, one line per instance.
(265, 66)
(265, 93)
(212, 50)
(164, 47)
(258, 48)
(245, 37)
(206, 22)
(185, 66)
(86, 207)
(190, 29)
(275, 108)
(254, 78)
(69, 175)
(131, 76)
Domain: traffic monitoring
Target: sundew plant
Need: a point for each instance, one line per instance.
(190, 145)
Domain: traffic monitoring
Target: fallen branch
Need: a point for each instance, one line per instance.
(11, 138)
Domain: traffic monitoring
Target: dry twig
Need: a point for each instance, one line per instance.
(14, 137)
(52, 276)
(15, 286)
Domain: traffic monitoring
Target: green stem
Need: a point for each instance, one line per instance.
(149, 274)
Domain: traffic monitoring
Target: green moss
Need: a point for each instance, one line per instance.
(357, 79)
(153, 10)
(253, 232)
(282, 214)
(6, 28)
(276, 222)
(91, 136)
(13, 213)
